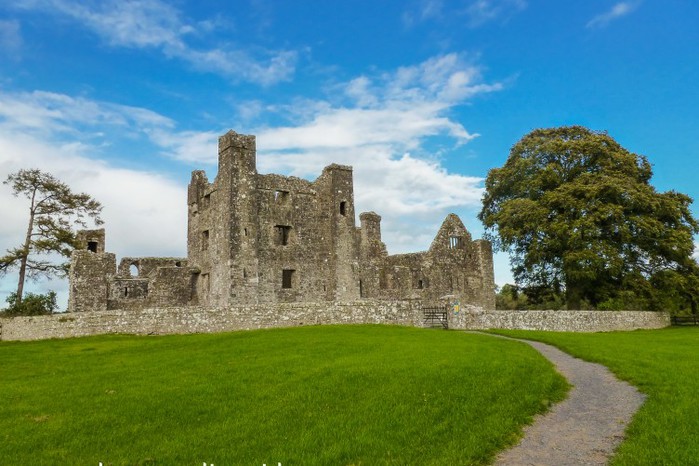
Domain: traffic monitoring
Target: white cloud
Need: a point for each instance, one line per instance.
(482, 11)
(79, 121)
(388, 126)
(158, 25)
(617, 11)
(399, 108)
(424, 10)
(144, 213)
(356, 127)
(49, 112)
(474, 12)
(10, 38)
(380, 125)
(188, 146)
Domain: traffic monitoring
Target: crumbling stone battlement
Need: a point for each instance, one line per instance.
(266, 238)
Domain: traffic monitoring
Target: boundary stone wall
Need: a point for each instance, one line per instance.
(209, 320)
(559, 321)
(160, 321)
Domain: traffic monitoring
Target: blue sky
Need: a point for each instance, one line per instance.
(123, 99)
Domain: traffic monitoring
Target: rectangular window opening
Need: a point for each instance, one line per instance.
(417, 279)
(283, 234)
(287, 278)
(454, 242)
(383, 279)
(205, 240)
(281, 196)
(92, 246)
(343, 208)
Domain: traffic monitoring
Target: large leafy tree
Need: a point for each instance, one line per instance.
(577, 212)
(53, 212)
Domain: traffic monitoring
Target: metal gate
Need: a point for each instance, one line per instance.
(435, 316)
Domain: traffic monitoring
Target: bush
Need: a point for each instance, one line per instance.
(513, 297)
(31, 305)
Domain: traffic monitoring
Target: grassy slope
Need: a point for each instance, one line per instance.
(312, 395)
(664, 364)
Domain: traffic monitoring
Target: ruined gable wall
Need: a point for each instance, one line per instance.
(454, 265)
(462, 265)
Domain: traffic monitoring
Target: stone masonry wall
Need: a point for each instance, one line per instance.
(209, 320)
(558, 321)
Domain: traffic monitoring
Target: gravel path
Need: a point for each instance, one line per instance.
(586, 427)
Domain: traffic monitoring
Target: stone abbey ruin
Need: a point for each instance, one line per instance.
(257, 239)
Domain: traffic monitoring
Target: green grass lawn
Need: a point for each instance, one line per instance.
(663, 364)
(329, 395)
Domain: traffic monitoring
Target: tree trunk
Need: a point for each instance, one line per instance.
(25, 253)
(574, 294)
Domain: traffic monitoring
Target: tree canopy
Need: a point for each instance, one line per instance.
(53, 211)
(577, 213)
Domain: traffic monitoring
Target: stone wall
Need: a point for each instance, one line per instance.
(454, 266)
(558, 321)
(209, 320)
(90, 276)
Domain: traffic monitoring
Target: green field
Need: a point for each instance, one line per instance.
(663, 364)
(331, 395)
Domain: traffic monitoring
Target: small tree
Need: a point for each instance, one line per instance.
(31, 305)
(53, 211)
